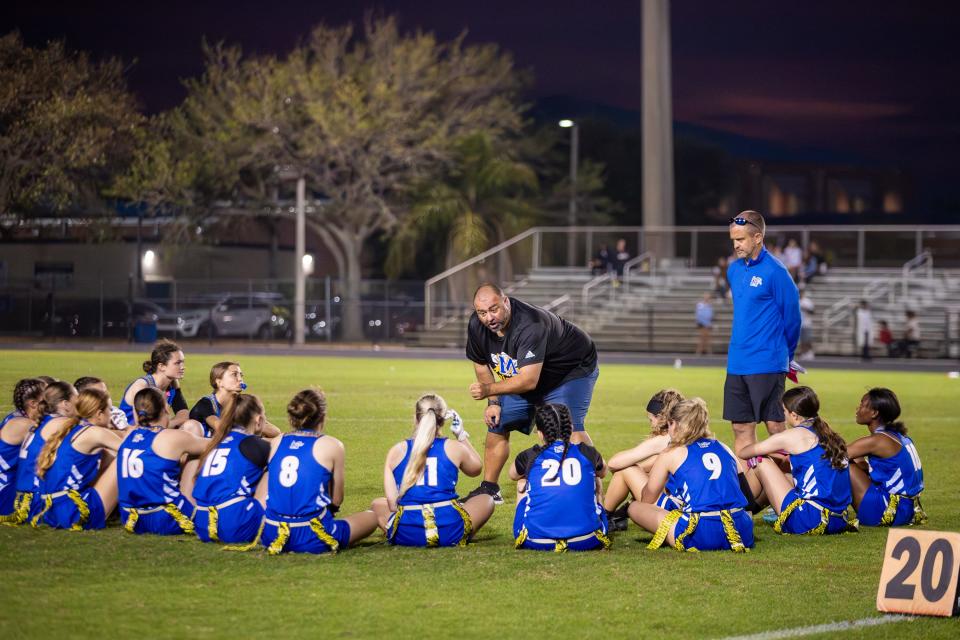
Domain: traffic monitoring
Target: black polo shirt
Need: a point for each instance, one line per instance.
(533, 336)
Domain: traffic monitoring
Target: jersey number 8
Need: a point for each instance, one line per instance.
(570, 473)
(288, 471)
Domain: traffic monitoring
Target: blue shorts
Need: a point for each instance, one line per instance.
(159, 522)
(64, 513)
(587, 541)
(806, 517)
(709, 534)
(302, 537)
(875, 502)
(516, 414)
(410, 531)
(238, 522)
(7, 495)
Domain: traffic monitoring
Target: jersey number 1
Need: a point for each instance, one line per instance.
(429, 473)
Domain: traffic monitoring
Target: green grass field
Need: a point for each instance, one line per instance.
(109, 583)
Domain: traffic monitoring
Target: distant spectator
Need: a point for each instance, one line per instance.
(721, 288)
(813, 263)
(864, 324)
(601, 261)
(776, 250)
(620, 258)
(806, 327)
(911, 336)
(793, 258)
(704, 315)
(885, 337)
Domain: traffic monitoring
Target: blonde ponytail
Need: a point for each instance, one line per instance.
(429, 413)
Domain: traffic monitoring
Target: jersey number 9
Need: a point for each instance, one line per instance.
(712, 462)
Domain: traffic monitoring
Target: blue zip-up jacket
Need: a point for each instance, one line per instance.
(766, 316)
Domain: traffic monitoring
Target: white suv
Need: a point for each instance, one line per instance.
(257, 315)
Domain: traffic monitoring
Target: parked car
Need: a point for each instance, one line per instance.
(260, 315)
(81, 318)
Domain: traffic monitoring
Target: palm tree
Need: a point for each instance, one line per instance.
(484, 198)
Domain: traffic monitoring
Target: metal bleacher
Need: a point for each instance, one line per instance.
(652, 310)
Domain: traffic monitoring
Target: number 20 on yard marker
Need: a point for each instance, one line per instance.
(920, 573)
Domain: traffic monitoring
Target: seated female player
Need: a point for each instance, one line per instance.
(226, 378)
(814, 501)
(559, 507)
(57, 409)
(14, 429)
(148, 466)
(78, 481)
(701, 472)
(420, 480)
(886, 478)
(228, 490)
(164, 371)
(631, 467)
(305, 486)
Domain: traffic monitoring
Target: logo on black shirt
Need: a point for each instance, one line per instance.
(503, 365)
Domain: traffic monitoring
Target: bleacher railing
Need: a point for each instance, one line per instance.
(446, 295)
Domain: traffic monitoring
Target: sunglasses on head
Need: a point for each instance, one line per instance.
(742, 221)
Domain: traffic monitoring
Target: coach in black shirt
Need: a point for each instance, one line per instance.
(524, 356)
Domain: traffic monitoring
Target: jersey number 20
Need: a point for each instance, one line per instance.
(570, 472)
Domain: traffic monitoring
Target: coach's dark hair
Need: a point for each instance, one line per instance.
(555, 423)
(238, 411)
(885, 403)
(755, 218)
(804, 402)
(667, 399)
(307, 410)
(85, 382)
(489, 285)
(89, 403)
(219, 370)
(54, 394)
(148, 404)
(26, 390)
(161, 354)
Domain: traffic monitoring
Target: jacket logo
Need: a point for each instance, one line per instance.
(756, 281)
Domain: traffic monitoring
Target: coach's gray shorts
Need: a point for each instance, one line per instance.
(756, 397)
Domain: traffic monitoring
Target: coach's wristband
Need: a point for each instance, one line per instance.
(493, 402)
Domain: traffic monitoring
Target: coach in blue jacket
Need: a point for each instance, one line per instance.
(766, 327)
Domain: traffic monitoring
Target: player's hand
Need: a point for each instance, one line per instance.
(491, 416)
(479, 390)
(456, 424)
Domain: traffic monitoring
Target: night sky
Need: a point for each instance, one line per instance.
(877, 81)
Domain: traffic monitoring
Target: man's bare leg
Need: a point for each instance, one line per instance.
(495, 453)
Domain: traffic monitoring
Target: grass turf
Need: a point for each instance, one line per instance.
(91, 584)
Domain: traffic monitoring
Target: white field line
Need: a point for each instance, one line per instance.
(846, 625)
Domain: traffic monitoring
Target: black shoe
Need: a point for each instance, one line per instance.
(618, 518)
(491, 489)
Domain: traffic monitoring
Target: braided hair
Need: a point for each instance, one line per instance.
(555, 423)
(26, 390)
(804, 402)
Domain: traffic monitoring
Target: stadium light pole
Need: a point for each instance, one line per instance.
(572, 210)
(300, 286)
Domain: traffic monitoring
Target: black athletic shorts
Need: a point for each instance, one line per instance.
(755, 397)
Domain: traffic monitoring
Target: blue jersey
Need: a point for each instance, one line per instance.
(562, 500)
(227, 473)
(707, 480)
(818, 481)
(71, 469)
(437, 483)
(900, 474)
(297, 485)
(9, 457)
(127, 408)
(144, 478)
(29, 452)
